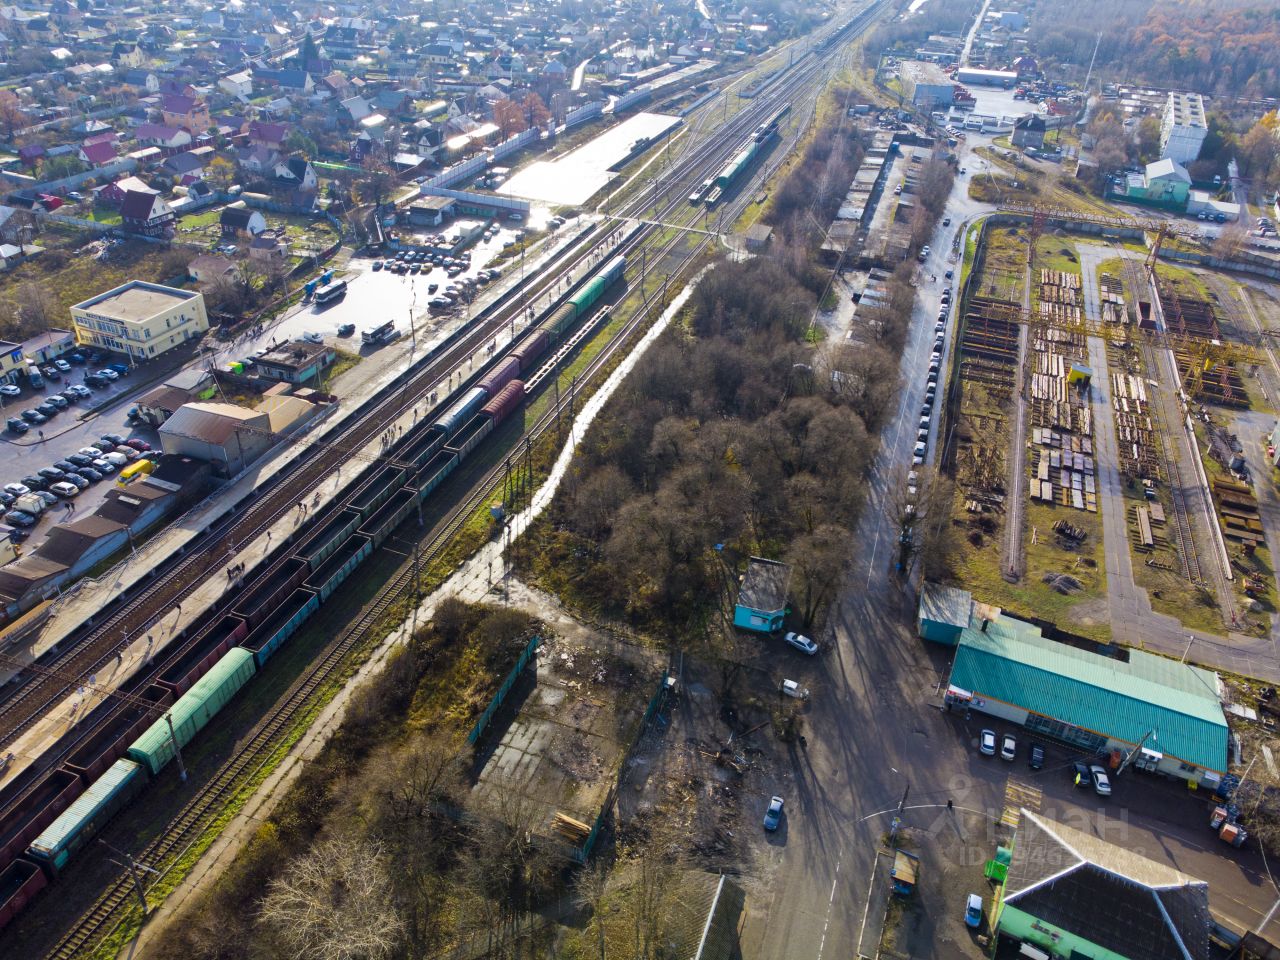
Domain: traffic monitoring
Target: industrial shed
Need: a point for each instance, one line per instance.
(762, 598)
(1168, 712)
(227, 436)
(1072, 894)
(943, 613)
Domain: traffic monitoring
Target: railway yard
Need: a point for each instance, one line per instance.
(375, 507)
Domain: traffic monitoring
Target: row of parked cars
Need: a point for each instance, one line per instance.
(65, 479)
(55, 403)
(1085, 774)
(931, 386)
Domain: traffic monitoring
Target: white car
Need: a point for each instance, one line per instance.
(1101, 783)
(801, 643)
(65, 490)
(108, 374)
(93, 453)
(9, 390)
(1008, 747)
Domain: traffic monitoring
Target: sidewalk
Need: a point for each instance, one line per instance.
(87, 599)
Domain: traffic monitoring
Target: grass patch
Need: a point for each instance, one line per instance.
(346, 360)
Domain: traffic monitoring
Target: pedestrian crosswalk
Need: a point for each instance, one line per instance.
(1017, 796)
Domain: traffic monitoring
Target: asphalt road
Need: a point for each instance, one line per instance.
(876, 729)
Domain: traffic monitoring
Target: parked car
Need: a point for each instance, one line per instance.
(1083, 778)
(120, 368)
(17, 489)
(50, 372)
(91, 452)
(801, 643)
(1101, 782)
(9, 390)
(773, 816)
(1035, 759)
(114, 439)
(104, 466)
(346, 330)
(46, 409)
(312, 337)
(6, 498)
(62, 365)
(973, 911)
(140, 445)
(16, 425)
(987, 743)
(33, 416)
(51, 473)
(106, 373)
(77, 358)
(118, 459)
(19, 518)
(35, 483)
(79, 459)
(76, 390)
(74, 478)
(1008, 747)
(95, 381)
(57, 401)
(90, 474)
(65, 489)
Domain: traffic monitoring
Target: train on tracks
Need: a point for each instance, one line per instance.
(134, 741)
(713, 190)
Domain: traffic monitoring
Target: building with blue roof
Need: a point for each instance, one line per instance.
(1165, 715)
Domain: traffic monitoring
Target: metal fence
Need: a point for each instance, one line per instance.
(487, 717)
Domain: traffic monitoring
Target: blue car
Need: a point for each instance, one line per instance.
(973, 911)
(773, 816)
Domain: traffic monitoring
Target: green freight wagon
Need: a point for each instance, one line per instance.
(81, 821)
(194, 709)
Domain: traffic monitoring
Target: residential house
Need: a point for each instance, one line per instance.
(186, 112)
(1028, 131)
(113, 194)
(260, 160)
(146, 214)
(238, 84)
(17, 226)
(97, 154)
(357, 108)
(296, 173)
(238, 221)
(189, 165)
(209, 267)
(126, 55)
(168, 139)
(297, 361)
(142, 80)
(293, 80)
(272, 135)
(762, 598)
(269, 245)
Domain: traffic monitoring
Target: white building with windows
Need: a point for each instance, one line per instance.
(141, 320)
(1183, 127)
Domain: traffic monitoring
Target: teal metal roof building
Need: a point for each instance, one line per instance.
(1007, 668)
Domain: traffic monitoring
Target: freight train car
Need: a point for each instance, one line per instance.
(330, 574)
(460, 414)
(193, 710)
(207, 649)
(37, 810)
(501, 406)
(110, 740)
(280, 626)
(19, 882)
(83, 819)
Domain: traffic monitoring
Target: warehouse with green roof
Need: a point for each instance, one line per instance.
(1166, 714)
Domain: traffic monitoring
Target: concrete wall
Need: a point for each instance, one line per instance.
(479, 199)
(107, 171)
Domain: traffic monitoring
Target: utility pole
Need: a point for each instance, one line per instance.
(177, 750)
(897, 818)
(133, 866)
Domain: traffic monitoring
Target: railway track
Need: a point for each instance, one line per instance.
(189, 824)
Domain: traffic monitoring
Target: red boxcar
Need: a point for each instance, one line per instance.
(500, 407)
(500, 376)
(533, 347)
(203, 653)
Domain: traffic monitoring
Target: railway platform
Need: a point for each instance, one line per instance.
(87, 599)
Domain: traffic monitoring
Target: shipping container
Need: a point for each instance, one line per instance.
(81, 821)
(500, 376)
(110, 740)
(374, 492)
(329, 536)
(458, 415)
(329, 575)
(19, 882)
(193, 709)
(202, 653)
(466, 439)
(37, 810)
(531, 349)
(266, 591)
(392, 513)
(434, 473)
(500, 407)
(269, 636)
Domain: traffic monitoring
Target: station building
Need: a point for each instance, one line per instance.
(1165, 715)
(141, 320)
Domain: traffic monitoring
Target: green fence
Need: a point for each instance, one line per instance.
(486, 718)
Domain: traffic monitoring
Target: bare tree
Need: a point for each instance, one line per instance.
(590, 888)
(334, 903)
(37, 307)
